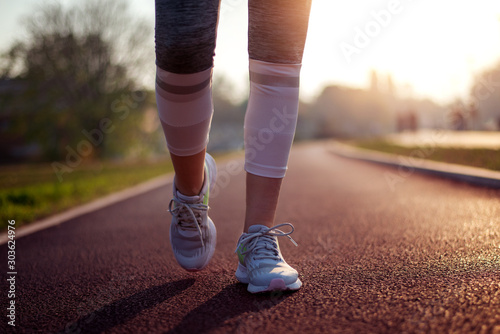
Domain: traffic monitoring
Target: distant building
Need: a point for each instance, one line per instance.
(349, 112)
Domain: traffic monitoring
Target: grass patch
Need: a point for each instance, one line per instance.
(30, 192)
(475, 157)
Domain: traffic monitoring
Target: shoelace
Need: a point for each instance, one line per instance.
(262, 243)
(188, 215)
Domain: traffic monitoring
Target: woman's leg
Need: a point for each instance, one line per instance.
(185, 35)
(262, 195)
(277, 34)
(189, 172)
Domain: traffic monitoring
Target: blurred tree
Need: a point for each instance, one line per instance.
(485, 99)
(77, 67)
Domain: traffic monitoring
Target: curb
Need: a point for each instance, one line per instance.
(472, 175)
(89, 207)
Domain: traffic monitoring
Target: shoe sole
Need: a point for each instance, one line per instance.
(276, 284)
(211, 251)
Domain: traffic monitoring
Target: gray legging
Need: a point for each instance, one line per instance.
(185, 32)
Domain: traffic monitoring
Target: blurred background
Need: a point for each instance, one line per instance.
(77, 80)
(370, 68)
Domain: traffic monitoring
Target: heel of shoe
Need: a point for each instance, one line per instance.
(211, 167)
(242, 274)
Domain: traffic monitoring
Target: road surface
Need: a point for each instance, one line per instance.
(418, 255)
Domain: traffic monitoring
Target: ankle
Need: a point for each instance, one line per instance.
(253, 222)
(189, 189)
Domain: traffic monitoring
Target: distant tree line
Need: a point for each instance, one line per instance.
(70, 91)
(74, 74)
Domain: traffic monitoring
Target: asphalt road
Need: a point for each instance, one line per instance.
(418, 255)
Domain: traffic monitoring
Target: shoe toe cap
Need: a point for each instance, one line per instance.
(265, 273)
(192, 260)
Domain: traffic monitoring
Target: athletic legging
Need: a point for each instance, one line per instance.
(185, 36)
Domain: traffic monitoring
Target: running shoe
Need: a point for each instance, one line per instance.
(192, 233)
(261, 264)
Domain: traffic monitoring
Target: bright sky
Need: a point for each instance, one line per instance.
(434, 46)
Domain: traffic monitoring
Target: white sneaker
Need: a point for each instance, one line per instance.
(261, 264)
(192, 233)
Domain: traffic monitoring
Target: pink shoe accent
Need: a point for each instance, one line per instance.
(277, 284)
